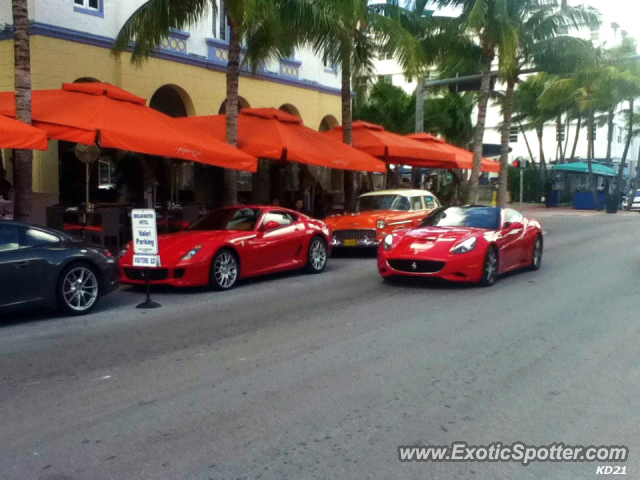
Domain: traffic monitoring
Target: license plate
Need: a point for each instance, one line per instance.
(146, 261)
(350, 243)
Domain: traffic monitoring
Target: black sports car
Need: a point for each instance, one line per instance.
(44, 267)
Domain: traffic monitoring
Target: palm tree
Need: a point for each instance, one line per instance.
(541, 30)
(268, 28)
(387, 105)
(497, 32)
(352, 36)
(590, 88)
(23, 159)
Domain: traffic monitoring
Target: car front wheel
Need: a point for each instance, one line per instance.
(78, 289)
(317, 256)
(536, 259)
(224, 270)
(490, 268)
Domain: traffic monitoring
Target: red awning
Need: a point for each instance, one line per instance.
(16, 134)
(393, 148)
(463, 158)
(99, 113)
(277, 135)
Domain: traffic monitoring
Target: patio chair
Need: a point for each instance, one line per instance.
(190, 213)
(108, 228)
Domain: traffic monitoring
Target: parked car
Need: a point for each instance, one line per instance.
(635, 206)
(232, 243)
(44, 267)
(463, 244)
(380, 213)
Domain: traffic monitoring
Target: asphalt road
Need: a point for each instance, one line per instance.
(323, 376)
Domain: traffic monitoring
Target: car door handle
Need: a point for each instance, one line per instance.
(22, 264)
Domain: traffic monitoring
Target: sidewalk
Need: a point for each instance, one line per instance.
(537, 210)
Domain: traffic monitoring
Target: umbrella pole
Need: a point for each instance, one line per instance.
(87, 184)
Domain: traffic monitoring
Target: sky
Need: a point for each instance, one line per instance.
(626, 13)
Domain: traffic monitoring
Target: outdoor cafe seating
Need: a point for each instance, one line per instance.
(110, 225)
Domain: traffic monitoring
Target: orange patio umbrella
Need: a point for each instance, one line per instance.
(463, 158)
(102, 114)
(16, 134)
(277, 135)
(393, 148)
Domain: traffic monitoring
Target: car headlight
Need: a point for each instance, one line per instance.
(466, 246)
(381, 224)
(387, 243)
(192, 253)
(124, 250)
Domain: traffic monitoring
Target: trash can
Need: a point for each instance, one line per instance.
(612, 203)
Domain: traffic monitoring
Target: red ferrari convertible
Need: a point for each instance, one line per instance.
(463, 244)
(232, 243)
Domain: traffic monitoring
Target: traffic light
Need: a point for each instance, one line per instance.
(517, 164)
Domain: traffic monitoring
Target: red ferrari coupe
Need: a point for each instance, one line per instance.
(232, 243)
(463, 244)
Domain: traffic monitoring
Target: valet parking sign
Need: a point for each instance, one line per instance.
(145, 238)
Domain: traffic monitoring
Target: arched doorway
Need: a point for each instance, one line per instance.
(173, 101)
(86, 80)
(329, 122)
(242, 103)
(174, 180)
(290, 109)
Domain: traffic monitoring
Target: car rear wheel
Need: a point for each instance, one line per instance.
(490, 268)
(317, 256)
(536, 259)
(78, 289)
(224, 270)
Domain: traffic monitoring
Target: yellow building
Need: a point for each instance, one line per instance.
(71, 40)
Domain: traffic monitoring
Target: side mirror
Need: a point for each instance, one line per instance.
(513, 228)
(269, 226)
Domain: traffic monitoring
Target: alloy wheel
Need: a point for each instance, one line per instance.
(317, 254)
(225, 270)
(537, 254)
(80, 289)
(491, 267)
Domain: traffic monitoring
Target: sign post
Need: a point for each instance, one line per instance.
(145, 247)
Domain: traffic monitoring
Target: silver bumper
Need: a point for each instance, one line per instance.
(366, 242)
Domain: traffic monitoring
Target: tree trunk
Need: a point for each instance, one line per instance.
(347, 134)
(23, 159)
(625, 153)
(231, 110)
(415, 172)
(575, 142)
(610, 116)
(507, 109)
(592, 183)
(526, 141)
(478, 135)
(559, 130)
(566, 138)
(543, 161)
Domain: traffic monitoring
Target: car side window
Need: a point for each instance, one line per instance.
(511, 216)
(9, 238)
(402, 203)
(416, 203)
(282, 218)
(430, 202)
(37, 238)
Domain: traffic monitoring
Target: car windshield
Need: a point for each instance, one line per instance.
(228, 219)
(473, 217)
(383, 202)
